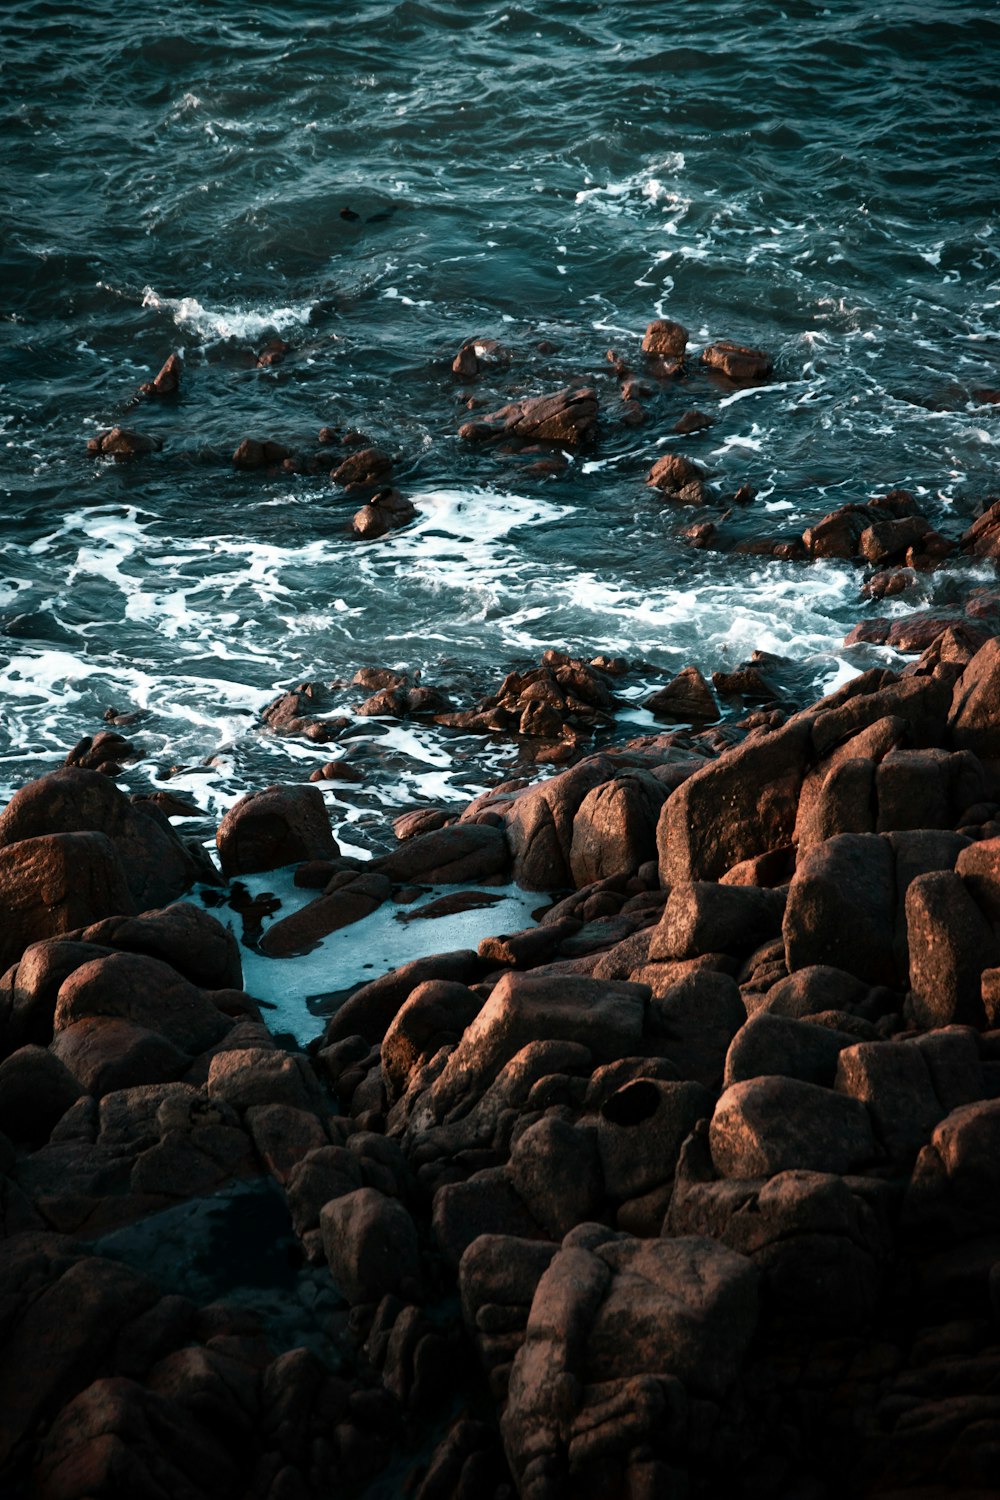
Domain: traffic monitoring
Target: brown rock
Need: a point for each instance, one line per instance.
(124, 444)
(950, 944)
(107, 1053)
(740, 364)
(463, 851)
(540, 823)
(371, 1246)
(673, 472)
(567, 416)
(703, 917)
(974, 722)
(355, 898)
(772, 1124)
(665, 338)
(614, 830)
(693, 421)
(846, 885)
(260, 453)
(55, 883)
(168, 381)
(739, 806)
(145, 991)
(370, 1010)
(158, 865)
(687, 697)
(280, 825)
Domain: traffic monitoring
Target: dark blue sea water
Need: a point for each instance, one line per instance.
(817, 180)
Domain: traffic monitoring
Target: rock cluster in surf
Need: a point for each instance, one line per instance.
(690, 1188)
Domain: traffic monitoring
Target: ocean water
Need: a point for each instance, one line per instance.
(375, 184)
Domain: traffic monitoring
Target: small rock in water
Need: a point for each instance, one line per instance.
(167, 382)
(688, 698)
(693, 421)
(664, 337)
(738, 363)
(567, 416)
(124, 444)
(260, 453)
(366, 467)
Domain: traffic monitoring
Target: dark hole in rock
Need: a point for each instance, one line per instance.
(632, 1104)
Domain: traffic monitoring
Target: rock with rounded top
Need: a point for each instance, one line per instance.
(614, 830)
(56, 883)
(260, 453)
(106, 1053)
(252, 1076)
(779, 1045)
(738, 362)
(158, 866)
(183, 935)
(145, 991)
(539, 824)
(371, 1246)
(846, 885)
(280, 825)
(369, 1011)
(463, 851)
(568, 416)
(435, 1015)
(772, 1124)
(665, 337)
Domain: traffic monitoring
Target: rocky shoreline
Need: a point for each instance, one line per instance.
(692, 1185)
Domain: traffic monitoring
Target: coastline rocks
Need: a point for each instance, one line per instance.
(568, 417)
(462, 851)
(539, 824)
(371, 1246)
(54, 884)
(157, 864)
(614, 828)
(679, 478)
(281, 825)
(167, 382)
(150, 994)
(687, 697)
(847, 884)
(770, 1124)
(362, 469)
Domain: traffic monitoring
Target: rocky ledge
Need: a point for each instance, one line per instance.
(692, 1188)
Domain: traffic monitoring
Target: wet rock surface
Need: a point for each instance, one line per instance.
(689, 1188)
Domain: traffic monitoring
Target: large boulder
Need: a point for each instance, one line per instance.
(281, 825)
(704, 917)
(463, 851)
(600, 1015)
(739, 806)
(183, 935)
(772, 1124)
(614, 831)
(158, 865)
(842, 906)
(55, 883)
(950, 944)
(143, 990)
(371, 1246)
(974, 722)
(540, 824)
